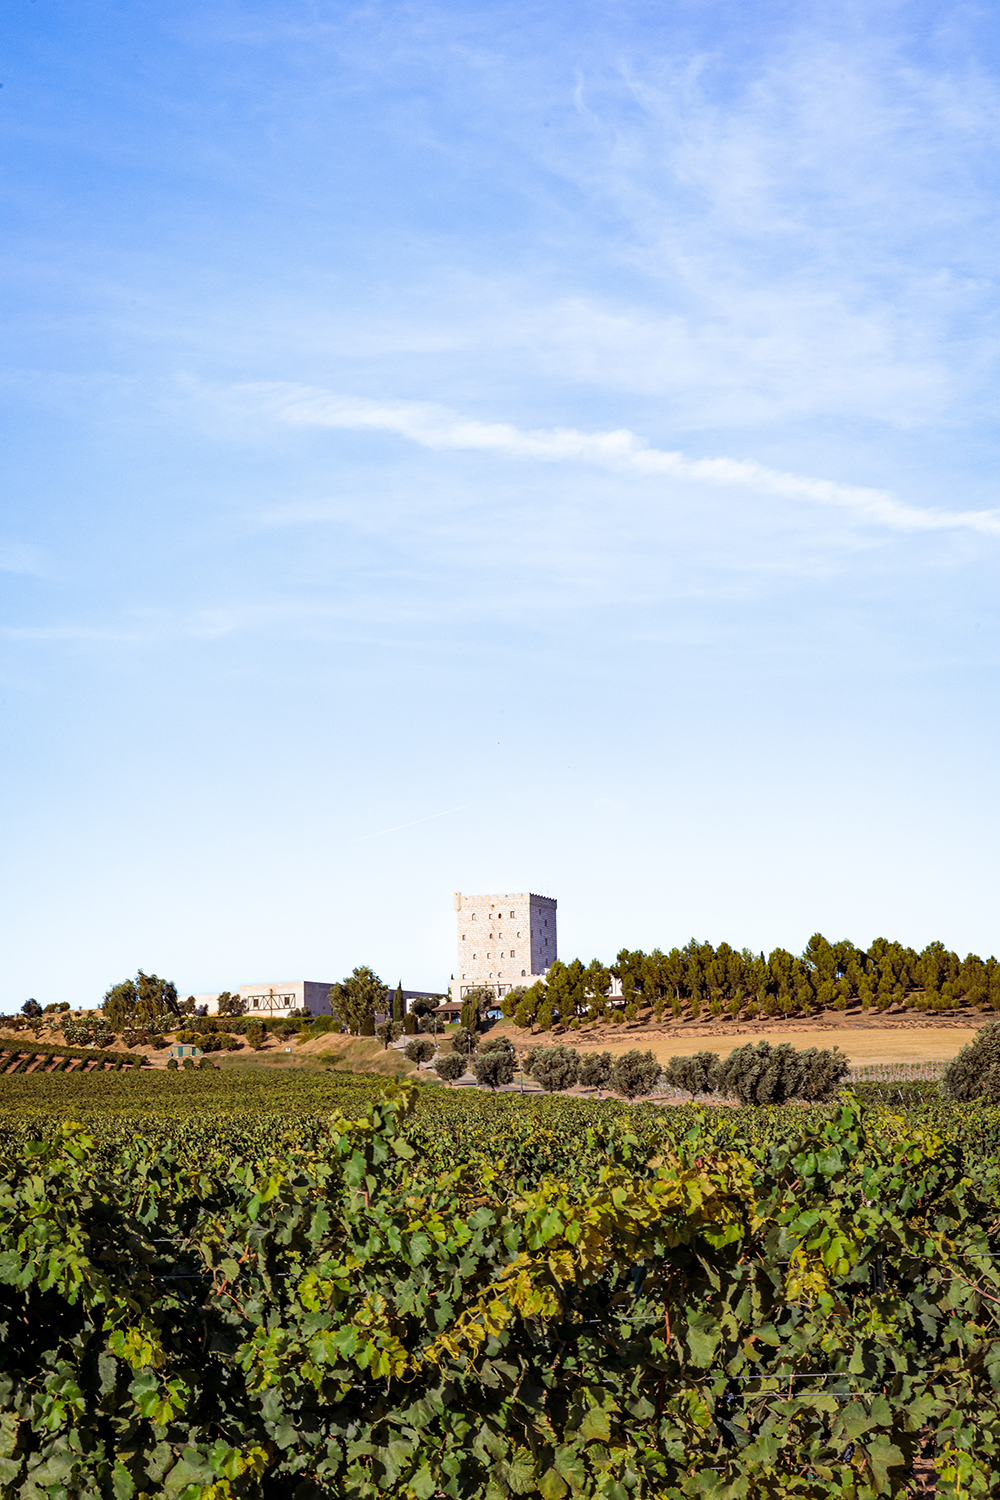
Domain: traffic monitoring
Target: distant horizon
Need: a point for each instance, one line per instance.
(183, 993)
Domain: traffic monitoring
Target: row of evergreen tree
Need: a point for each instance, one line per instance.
(702, 980)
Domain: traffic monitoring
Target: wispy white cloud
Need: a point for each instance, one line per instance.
(433, 426)
(18, 557)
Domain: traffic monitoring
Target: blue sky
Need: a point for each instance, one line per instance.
(493, 448)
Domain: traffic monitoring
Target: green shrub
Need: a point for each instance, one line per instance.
(450, 1066)
(975, 1072)
(763, 1074)
(462, 1040)
(634, 1073)
(389, 1031)
(495, 1044)
(323, 1024)
(203, 1062)
(494, 1062)
(409, 1024)
(367, 1026)
(420, 1050)
(595, 1069)
(494, 1067)
(77, 1033)
(217, 1041)
(696, 1075)
(555, 1068)
(187, 1063)
(171, 1062)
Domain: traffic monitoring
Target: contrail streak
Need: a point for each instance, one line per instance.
(395, 829)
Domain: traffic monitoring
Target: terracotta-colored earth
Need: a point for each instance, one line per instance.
(893, 1037)
(902, 1038)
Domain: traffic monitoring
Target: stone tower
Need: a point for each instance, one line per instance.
(503, 941)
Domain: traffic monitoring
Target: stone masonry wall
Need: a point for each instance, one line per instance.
(503, 940)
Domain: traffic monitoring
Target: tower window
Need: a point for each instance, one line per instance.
(512, 916)
(523, 975)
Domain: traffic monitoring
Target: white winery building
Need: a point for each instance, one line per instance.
(277, 998)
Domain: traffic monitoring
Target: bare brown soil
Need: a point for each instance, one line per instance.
(895, 1035)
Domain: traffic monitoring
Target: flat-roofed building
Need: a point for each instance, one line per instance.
(276, 998)
(283, 996)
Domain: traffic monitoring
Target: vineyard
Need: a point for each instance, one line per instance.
(217, 1285)
(58, 1059)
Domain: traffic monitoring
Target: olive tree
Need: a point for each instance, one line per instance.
(695, 1075)
(494, 1066)
(595, 1069)
(449, 1067)
(389, 1031)
(555, 1068)
(495, 1044)
(634, 1073)
(975, 1072)
(763, 1074)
